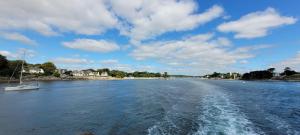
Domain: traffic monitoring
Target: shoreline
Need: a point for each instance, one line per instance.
(51, 78)
(260, 80)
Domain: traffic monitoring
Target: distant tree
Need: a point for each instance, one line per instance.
(288, 71)
(49, 68)
(246, 76)
(271, 70)
(103, 70)
(215, 75)
(13, 68)
(165, 75)
(56, 74)
(117, 74)
(3, 62)
(258, 75)
(69, 73)
(157, 75)
(38, 65)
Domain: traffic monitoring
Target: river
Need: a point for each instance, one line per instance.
(154, 107)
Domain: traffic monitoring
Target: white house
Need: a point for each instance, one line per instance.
(104, 74)
(77, 73)
(36, 71)
(62, 71)
(85, 73)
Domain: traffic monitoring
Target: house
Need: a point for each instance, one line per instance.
(77, 73)
(85, 73)
(234, 75)
(36, 70)
(104, 74)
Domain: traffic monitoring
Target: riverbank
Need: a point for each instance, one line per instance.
(286, 79)
(72, 78)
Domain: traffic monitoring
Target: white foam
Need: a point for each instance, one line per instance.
(220, 116)
(159, 127)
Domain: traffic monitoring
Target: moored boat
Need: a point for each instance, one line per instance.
(21, 85)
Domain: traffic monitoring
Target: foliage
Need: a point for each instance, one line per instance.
(258, 75)
(69, 73)
(288, 72)
(271, 70)
(13, 67)
(165, 75)
(215, 74)
(49, 68)
(103, 70)
(56, 74)
(224, 75)
(117, 73)
(144, 74)
(3, 62)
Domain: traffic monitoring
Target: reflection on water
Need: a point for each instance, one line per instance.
(155, 107)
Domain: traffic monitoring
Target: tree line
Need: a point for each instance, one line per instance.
(268, 74)
(14, 67)
(223, 75)
(122, 74)
(8, 67)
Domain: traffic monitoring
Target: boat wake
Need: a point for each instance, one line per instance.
(216, 115)
(220, 116)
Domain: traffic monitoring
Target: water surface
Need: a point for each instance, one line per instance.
(155, 107)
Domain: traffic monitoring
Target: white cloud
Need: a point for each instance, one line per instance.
(145, 19)
(92, 45)
(293, 63)
(18, 37)
(256, 24)
(18, 54)
(199, 53)
(138, 19)
(51, 17)
(7, 54)
(109, 62)
(243, 61)
(71, 61)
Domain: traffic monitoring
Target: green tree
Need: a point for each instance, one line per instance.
(117, 73)
(165, 75)
(3, 62)
(49, 68)
(103, 70)
(288, 71)
(14, 68)
(56, 74)
(215, 74)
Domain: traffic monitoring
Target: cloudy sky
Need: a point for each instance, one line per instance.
(177, 36)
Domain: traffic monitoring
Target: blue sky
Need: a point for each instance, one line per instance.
(177, 36)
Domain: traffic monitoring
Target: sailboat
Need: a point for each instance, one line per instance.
(21, 85)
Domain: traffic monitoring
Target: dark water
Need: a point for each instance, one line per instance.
(155, 107)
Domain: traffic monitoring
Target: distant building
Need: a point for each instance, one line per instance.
(234, 75)
(104, 74)
(62, 71)
(276, 74)
(77, 73)
(34, 70)
(85, 73)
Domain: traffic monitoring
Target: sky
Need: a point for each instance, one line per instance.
(177, 36)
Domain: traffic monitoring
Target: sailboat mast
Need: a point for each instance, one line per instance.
(22, 68)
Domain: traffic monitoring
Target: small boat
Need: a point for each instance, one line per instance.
(21, 85)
